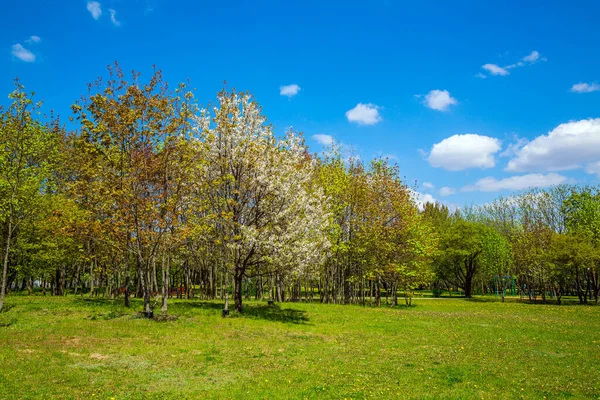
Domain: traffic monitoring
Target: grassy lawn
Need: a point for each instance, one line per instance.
(74, 347)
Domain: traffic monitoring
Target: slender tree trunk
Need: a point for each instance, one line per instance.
(238, 289)
(378, 292)
(92, 278)
(165, 282)
(146, 283)
(226, 294)
(127, 301)
(5, 264)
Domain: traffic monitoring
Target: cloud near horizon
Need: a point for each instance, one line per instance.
(520, 182)
(460, 152)
(324, 140)
(569, 146)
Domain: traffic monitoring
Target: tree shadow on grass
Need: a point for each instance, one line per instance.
(93, 300)
(482, 300)
(275, 313)
(7, 308)
(256, 311)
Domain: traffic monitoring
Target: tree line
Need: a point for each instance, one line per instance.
(145, 193)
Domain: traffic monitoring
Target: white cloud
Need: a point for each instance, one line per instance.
(428, 185)
(513, 148)
(593, 168)
(325, 140)
(529, 59)
(583, 87)
(439, 100)
(447, 191)
(289, 90)
(34, 39)
(532, 57)
(421, 199)
(22, 53)
(113, 17)
(520, 182)
(495, 69)
(364, 114)
(480, 75)
(568, 146)
(459, 152)
(94, 8)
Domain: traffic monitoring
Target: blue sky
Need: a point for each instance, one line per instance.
(472, 99)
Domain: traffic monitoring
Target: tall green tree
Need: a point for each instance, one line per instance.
(25, 167)
(462, 253)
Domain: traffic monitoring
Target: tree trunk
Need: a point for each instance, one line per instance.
(378, 292)
(92, 278)
(146, 283)
(165, 283)
(238, 289)
(5, 265)
(127, 301)
(226, 293)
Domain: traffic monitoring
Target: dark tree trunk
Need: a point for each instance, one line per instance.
(378, 292)
(127, 276)
(238, 289)
(468, 285)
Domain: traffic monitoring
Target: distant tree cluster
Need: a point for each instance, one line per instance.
(542, 242)
(146, 194)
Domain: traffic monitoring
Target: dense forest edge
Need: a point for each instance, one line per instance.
(145, 194)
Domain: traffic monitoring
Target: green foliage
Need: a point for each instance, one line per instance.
(465, 247)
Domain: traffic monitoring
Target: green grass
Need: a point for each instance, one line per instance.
(71, 347)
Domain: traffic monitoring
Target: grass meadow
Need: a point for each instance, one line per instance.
(80, 348)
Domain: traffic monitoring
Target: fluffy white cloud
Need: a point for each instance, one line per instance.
(289, 90)
(94, 8)
(439, 100)
(568, 146)
(459, 152)
(520, 182)
(428, 185)
(447, 191)
(495, 69)
(113, 17)
(34, 39)
(22, 53)
(325, 140)
(583, 87)
(364, 114)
